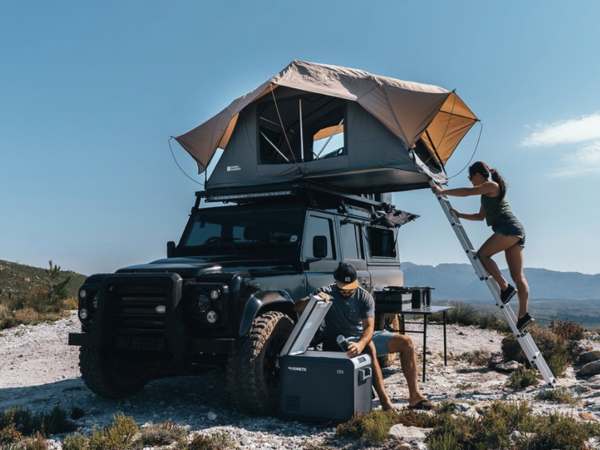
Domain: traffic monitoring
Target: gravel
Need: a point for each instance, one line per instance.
(38, 370)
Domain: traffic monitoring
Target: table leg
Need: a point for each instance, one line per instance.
(424, 345)
(445, 352)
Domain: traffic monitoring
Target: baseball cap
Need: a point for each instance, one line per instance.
(345, 275)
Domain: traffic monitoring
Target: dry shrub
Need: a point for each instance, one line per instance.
(26, 316)
(548, 343)
(480, 357)
(167, 433)
(568, 330)
(71, 303)
(7, 319)
(219, 440)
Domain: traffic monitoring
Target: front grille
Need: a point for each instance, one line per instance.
(134, 309)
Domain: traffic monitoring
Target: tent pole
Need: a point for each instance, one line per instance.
(274, 146)
(301, 132)
(331, 137)
(434, 149)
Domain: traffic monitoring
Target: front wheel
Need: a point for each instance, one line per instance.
(253, 370)
(103, 377)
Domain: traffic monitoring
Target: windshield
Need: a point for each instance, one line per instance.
(258, 232)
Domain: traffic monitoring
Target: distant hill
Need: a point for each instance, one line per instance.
(19, 279)
(459, 282)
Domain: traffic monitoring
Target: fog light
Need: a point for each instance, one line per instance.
(82, 293)
(83, 314)
(211, 316)
(214, 294)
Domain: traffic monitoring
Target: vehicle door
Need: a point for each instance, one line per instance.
(319, 272)
(383, 260)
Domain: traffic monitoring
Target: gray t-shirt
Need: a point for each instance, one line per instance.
(346, 314)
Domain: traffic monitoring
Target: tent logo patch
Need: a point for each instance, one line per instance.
(233, 168)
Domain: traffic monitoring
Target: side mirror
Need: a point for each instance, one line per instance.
(170, 249)
(320, 247)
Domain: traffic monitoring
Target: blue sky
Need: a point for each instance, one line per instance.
(91, 91)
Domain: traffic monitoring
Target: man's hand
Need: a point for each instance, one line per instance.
(354, 349)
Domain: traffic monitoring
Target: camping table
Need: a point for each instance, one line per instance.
(425, 312)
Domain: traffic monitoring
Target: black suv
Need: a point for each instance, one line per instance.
(225, 293)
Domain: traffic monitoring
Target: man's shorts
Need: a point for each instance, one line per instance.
(380, 339)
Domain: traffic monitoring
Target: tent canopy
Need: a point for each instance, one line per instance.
(414, 127)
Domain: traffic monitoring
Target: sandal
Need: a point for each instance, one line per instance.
(423, 405)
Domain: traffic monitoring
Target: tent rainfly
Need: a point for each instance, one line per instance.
(342, 127)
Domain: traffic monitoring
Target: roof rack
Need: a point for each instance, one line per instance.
(246, 194)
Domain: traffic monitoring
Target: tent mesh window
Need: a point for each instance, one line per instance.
(322, 129)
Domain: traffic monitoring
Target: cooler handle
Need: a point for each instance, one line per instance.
(364, 374)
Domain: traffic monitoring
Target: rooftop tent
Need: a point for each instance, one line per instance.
(342, 127)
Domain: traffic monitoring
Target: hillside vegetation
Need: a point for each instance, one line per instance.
(33, 295)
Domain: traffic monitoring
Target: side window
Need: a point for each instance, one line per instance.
(349, 239)
(382, 242)
(320, 226)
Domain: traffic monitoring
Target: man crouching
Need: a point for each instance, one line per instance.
(352, 314)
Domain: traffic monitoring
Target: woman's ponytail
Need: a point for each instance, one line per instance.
(498, 179)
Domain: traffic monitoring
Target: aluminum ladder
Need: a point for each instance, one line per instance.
(533, 354)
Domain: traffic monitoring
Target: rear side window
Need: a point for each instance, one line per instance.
(350, 241)
(320, 226)
(382, 242)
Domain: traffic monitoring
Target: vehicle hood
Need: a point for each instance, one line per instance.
(195, 266)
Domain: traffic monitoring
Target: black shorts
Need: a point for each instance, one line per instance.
(508, 225)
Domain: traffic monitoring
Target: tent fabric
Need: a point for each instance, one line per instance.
(387, 119)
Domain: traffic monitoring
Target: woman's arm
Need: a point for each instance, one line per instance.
(478, 217)
(489, 187)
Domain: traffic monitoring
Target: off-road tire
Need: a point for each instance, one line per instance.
(253, 370)
(102, 377)
(388, 360)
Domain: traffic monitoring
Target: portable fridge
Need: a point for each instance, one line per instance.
(321, 386)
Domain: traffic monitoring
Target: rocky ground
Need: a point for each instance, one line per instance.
(38, 371)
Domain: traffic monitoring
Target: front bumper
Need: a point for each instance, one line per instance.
(222, 346)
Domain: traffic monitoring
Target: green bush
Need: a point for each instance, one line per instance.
(29, 423)
(76, 441)
(522, 378)
(491, 321)
(462, 313)
(373, 426)
(118, 435)
(559, 362)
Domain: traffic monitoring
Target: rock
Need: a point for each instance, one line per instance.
(211, 416)
(482, 407)
(579, 389)
(588, 357)
(462, 407)
(587, 416)
(510, 366)
(589, 369)
(584, 346)
(515, 435)
(472, 413)
(400, 432)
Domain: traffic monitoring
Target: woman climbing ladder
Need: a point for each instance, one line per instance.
(509, 234)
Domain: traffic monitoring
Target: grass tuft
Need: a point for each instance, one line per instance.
(119, 435)
(373, 426)
(561, 395)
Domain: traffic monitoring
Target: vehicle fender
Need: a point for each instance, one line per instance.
(260, 300)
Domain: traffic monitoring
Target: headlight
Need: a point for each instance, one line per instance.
(82, 293)
(83, 314)
(212, 316)
(200, 304)
(215, 294)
